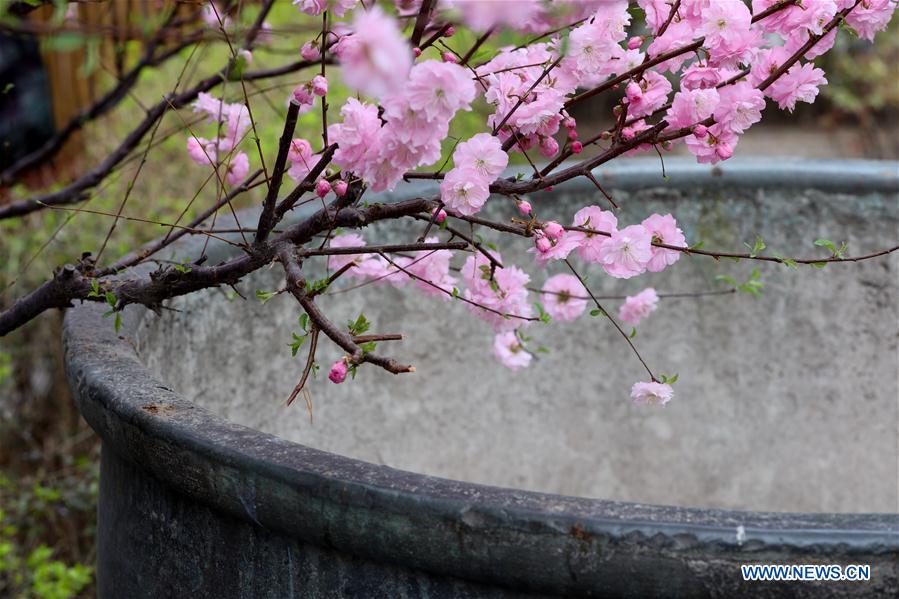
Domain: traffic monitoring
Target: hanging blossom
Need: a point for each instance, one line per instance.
(652, 393)
(637, 307)
(509, 350)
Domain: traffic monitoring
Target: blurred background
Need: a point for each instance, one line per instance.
(59, 60)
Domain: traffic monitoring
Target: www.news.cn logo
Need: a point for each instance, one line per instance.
(808, 572)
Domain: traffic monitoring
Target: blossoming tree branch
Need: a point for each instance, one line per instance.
(697, 72)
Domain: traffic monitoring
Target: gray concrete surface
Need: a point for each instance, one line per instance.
(788, 402)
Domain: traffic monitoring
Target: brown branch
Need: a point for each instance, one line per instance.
(267, 216)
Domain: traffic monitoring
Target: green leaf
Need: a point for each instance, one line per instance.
(360, 326)
(633, 333)
(545, 318)
(8, 88)
(118, 321)
(697, 246)
(542, 350)
(264, 296)
(304, 321)
(757, 247)
(110, 299)
(368, 347)
(597, 312)
(298, 341)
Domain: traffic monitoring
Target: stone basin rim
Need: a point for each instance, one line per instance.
(250, 474)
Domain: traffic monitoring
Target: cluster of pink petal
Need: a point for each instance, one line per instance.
(637, 307)
(524, 16)
(232, 121)
(415, 120)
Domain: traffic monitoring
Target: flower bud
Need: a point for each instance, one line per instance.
(309, 51)
(724, 151)
(246, 55)
(543, 244)
(319, 86)
(524, 207)
(450, 31)
(553, 230)
(450, 58)
(572, 134)
(577, 147)
(569, 123)
(302, 95)
(549, 147)
(338, 372)
(634, 43)
(416, 52)
(340, 187)
(322, 188)
(700, 131)
(440, 216)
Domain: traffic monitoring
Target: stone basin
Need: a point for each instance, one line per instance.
(465, 479)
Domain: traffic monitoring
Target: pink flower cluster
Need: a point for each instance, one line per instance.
(500, 301)
(415, 120)
(477, 164)
(233, 121)
(623, 253)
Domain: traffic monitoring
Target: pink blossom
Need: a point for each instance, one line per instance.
(700, 76)
(627, 252)
(718, 144)
(302, 96)
(238, 168)
(647, 95)
(870, 16)
(506, 293)
(799, 84)
(202, 151)
(301, 159)
(652, 393)
(637, 307)
(355, 135)
(482, 153)
(439, 89)
(728, 34)
(340, 187)
(589, 244)
(359, 261)
(509, 351)
(691, 106)
(464, 191)
(338, 372)
(432, 267)
(564, 297)
(664, 229)
(678, 35)
(375, 59)
(449, 57)
(577, 147)
(740, 107)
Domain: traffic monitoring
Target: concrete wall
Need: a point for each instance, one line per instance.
(786, 403)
